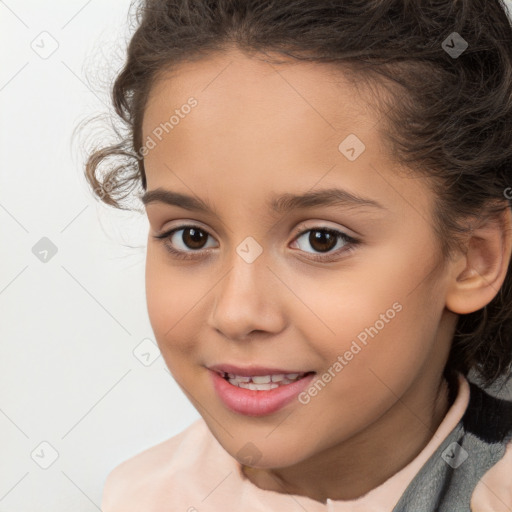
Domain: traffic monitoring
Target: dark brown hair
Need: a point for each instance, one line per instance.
(448, 117)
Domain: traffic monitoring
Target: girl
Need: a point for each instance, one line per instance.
(327, 185)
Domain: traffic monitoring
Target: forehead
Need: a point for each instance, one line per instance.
(254, 95)
(259, 127)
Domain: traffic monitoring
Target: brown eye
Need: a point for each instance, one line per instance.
(191, 241)
(193, 238)
(322, 240)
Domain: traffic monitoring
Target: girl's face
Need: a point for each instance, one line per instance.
(269, 290)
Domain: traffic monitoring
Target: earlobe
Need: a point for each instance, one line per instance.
(478, 275)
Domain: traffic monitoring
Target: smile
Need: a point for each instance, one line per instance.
(262, 382)
(258, 395)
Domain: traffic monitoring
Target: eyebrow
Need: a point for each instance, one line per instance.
(278, 204)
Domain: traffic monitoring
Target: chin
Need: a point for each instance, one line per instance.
(264, 455)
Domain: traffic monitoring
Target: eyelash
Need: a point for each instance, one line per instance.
(350, 244)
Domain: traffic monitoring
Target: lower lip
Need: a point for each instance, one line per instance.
(257, 403)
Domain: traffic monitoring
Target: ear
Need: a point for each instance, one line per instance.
(477, 276)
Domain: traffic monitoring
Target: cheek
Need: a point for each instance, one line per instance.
(160, 297)
(381, 318)
(170, 299)
(352, 304)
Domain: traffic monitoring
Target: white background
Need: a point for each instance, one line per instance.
(71, 371)
(68, 328)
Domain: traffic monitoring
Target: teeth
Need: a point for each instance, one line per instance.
(261, 379)
(263, 382)
(240, 378)
(257, 387)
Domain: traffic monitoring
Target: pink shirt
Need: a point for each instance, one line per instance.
(191, 472)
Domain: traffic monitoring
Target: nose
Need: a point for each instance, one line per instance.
(246, 301)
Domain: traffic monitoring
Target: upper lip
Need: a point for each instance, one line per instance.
(249, 371)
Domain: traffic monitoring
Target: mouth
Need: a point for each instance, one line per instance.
(257, 391)
(262, 382)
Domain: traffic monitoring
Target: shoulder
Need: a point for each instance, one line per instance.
(490, 419)
(494, 490)
(138, 482)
